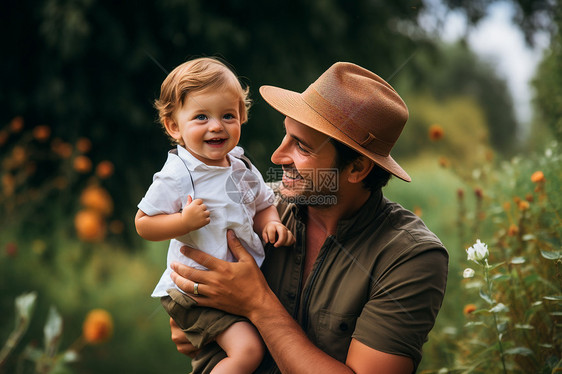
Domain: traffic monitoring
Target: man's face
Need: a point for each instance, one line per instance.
(308, 161)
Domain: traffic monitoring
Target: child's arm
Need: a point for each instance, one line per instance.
(268, 223)
(167, 226)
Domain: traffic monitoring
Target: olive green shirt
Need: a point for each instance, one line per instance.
(380, 280)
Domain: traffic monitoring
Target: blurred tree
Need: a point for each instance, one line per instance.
(454, 71)
(532, 16)
(463, 138)
(548, 83)
(93, 69)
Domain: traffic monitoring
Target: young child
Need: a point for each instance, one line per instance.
(205, 188)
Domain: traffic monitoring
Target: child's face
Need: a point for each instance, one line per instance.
(209, 125)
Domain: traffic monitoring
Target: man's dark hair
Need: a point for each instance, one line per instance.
(374, 181)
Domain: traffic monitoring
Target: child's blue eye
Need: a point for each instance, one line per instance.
(229, 116)
(201, 117)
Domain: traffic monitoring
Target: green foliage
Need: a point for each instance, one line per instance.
(548, 86)
(515, 299)
(78, 277)
(464, 132)
(453, 71)
(93, 69)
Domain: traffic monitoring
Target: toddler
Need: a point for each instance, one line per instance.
(206, 187)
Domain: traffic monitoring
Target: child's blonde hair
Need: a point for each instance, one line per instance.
(195, 76)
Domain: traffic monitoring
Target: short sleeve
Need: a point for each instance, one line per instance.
(404, 304)
(265, 196)
(169, 189)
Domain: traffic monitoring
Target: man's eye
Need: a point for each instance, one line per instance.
(301, 148)
(201, 117)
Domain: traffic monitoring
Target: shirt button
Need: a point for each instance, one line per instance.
(343, 326)
(291, 295)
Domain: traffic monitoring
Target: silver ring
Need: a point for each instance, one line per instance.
(196, 288)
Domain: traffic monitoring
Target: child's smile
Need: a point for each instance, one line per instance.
(208, 125)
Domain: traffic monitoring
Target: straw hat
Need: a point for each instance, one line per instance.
(352, 105)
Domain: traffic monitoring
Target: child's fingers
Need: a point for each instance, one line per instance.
(264, 236)
(269, 234)
(285, 237)
(290, 238)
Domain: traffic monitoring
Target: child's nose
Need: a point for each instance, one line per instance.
(215, 125)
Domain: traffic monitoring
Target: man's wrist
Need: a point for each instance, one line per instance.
(268, 307)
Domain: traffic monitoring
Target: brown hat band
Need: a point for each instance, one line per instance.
(345, 124)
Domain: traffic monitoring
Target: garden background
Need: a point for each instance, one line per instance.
(79, 144)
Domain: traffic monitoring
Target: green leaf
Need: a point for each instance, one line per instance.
(486, 298)
(550, 255)
(530, 279)
(524, 327)
(492, 267)
(519, 351)
(500, 277)
(553, 298)
(557, 314)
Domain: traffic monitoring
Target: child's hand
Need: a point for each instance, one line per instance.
(195, 214)
(275, 232)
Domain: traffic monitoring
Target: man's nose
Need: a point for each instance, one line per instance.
(280, 156)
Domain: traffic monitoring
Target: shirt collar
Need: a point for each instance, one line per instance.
(356, 223)
(363, 217)
(193, 163)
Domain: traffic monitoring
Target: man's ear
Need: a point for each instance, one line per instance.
(172, 128)
(359, 169)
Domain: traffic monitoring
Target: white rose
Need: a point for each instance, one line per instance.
(468, 273)
(478, 252)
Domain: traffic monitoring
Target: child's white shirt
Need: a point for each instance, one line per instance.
(232, 195)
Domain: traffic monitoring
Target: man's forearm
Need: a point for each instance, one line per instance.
(289, 346)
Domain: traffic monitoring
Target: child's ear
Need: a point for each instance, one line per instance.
(172, 128)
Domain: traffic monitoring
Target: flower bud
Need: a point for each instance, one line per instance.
(478, 252)
(468, 273)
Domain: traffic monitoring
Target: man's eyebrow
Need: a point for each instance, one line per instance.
(301, 141)
(297, 138)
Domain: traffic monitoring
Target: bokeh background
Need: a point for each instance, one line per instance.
(79, 143)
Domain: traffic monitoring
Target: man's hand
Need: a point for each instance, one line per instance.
(235, 287)
(195, 214)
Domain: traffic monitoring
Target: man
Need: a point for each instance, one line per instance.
(361, 288)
